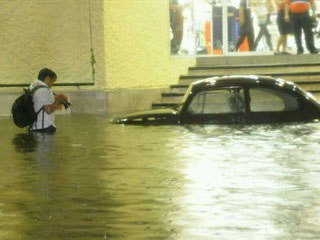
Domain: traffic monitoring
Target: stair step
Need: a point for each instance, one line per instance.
(254, 69)
(251, 60)
(294, 77)
(172, 94)
(310, 88)
(316, 95)
(165, 105)
(280, 65)
(315, 82)
(314, 91)
(307, 82)
(305, 85)
(172, 97)
(179, 88)
(281, 74)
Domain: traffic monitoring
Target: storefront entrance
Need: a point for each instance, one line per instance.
(211, 28)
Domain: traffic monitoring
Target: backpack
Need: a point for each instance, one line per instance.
(22, 109)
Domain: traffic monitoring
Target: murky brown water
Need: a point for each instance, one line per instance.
(94, 180)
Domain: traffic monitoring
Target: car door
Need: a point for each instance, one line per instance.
(218, 105)
(268, 105)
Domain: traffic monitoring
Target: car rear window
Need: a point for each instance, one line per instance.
(271, 100)
(218, 101)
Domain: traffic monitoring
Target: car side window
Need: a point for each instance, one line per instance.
(271, 100)
(218, 101)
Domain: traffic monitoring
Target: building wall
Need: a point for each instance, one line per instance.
(129, 38)
(44, 33)
(130, 42)
(137, 45)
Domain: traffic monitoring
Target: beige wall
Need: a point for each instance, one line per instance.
(130, 42)
(137, 45)
(42, 33)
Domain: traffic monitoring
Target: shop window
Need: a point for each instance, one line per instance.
(211, 27)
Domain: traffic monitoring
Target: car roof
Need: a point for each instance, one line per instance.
(244, 80)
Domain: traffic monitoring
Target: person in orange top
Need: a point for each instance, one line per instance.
(301, 20)
(284, 28)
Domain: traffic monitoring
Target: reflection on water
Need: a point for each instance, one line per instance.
(94, 180)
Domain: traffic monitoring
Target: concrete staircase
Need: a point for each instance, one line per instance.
(303, 70)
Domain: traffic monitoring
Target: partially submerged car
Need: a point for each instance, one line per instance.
(234, 99)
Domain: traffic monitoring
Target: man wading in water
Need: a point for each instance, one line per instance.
(45, 102)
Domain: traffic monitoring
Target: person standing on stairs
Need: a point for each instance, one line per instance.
(263, 9)
(284, 28)
(301, 20)
(246, 26)
(176, 24)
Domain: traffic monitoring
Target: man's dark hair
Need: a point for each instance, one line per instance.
(46, 72)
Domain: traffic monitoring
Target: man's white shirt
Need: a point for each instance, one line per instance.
(42, 96)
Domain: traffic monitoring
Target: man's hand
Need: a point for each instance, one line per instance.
(60, 98)
(286, 12)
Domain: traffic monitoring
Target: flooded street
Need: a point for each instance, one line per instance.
(94, 180)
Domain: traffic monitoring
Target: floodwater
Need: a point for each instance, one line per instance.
(94, 180)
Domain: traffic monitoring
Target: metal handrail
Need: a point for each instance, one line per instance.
(56, 85)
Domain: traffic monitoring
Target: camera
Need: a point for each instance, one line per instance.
(66, 105)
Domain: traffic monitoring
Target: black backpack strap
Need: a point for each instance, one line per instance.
(36, 88)
(32, 91)
(42, 117)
